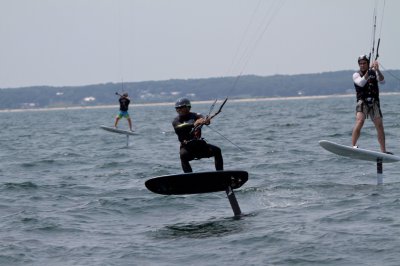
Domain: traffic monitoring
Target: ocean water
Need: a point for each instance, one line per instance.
(73, 194)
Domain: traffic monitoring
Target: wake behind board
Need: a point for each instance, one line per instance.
(194, 183)
(357, 153)
(119, 131)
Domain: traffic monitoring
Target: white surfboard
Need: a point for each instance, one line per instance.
(357, 153)
(119, 131)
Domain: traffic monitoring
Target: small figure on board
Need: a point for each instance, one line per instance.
(367, 91)
(187, 126)
(123, 109)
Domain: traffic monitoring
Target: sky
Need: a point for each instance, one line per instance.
(82, 42)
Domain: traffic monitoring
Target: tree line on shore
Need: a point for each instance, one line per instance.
(248, 86)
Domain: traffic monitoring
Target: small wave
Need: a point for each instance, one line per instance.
(23, 185)
(201, 230)
(39, 162)
(108, 165)
(28, 165)
(285, 125)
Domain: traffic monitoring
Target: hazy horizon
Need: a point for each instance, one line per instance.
(76, 43)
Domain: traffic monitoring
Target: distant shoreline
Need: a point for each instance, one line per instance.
(196, 102)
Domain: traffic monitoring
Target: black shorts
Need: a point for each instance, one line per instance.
(199, 148)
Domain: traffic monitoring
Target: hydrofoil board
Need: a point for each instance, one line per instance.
(194, 183)
(357, 153)
(119, 131)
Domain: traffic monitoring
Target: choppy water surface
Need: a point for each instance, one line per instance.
(73, 194)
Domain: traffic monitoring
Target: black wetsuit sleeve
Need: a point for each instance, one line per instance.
(183, 126)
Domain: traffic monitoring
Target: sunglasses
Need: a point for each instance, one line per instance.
(180, 107)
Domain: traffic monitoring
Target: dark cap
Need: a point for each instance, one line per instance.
(182, 102)
(363, 57)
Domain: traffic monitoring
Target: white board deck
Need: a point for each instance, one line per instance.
(357, 153)
(119, 131)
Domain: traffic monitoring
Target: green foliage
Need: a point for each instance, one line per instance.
(250, 86)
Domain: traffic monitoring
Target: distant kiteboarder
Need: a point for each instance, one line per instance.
(123, 109)
(187, 126)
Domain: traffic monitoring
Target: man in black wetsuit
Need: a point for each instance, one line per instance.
(123, 110)
(187, 126)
